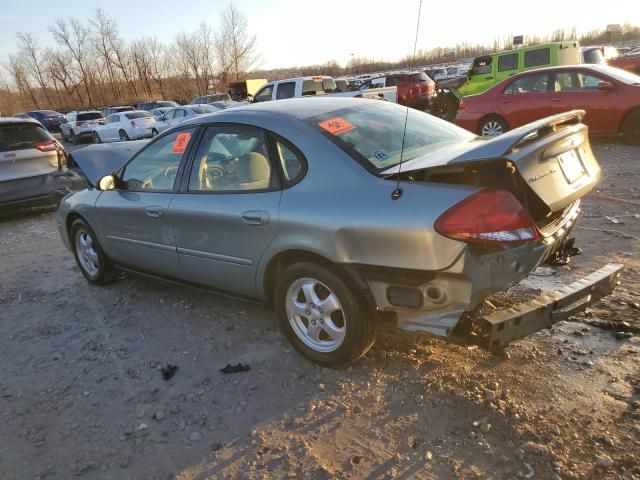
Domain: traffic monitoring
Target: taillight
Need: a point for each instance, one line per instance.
(133, 124)
(489, 216)
(47, 146)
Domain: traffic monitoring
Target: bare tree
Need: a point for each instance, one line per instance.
(75, 37)
(158, 63)
(20, 77)
(105, 29)
(29, 52)
(235, 47)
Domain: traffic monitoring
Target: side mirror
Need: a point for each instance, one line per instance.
(250, 98)
(108, 182)
(605, 86)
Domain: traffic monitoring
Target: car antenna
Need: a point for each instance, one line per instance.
(397, 193)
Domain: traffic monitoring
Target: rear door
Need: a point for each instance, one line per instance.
(134, 219)
(526, 99)
(578, 89)
(227, 212)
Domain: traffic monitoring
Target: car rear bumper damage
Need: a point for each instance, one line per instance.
(504, 326)
(41, 190)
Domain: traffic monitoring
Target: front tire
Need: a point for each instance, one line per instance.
(631, 128)
(492, 126)
(96, 138)
(74, 139)
(323, 316)
(445, 107)
(123, 136)
(93, 263)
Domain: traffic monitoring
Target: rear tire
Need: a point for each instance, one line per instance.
(96, 138)
(445, 107)
(123, 136)
(74, 139)
(492, 126)
(93, 263)
(631, 128)
(323, 316)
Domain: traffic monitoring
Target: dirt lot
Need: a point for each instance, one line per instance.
(81, 393)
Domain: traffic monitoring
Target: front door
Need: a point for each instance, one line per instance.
(575, 89)
(135, 219)
(227, 214)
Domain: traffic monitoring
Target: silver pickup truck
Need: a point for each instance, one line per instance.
(316, 86)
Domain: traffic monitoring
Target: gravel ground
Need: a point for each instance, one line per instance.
(82, 392)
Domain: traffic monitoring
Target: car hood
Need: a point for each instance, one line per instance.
(481, 148)
(96, 161)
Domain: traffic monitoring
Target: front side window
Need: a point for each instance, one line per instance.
(156, 167)
(115, 119)
(285, 90)
(535, 58)
(180, 113)
(264, 95)
(587, 82)
(481, 66)
(231, 159)
(536, 83)
(395, 81)
(372, 134)
(508, 62)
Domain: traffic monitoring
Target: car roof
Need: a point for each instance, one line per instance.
(299, 108)
(592, 66)
(14, 120)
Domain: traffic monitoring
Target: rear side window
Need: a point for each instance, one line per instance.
(311, 87)
(419, 77)
(508, 62)
(395, 81)
(89, 116)
(201, 109)
(286, 90)
(535, 58)
(290, 160)
(19, 136)
(137, 115)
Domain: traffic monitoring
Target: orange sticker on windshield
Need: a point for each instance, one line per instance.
(180, 145)
(336, 126)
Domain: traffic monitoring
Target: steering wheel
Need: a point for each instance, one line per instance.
(169, 169)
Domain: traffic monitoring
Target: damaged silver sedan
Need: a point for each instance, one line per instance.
(334, 213)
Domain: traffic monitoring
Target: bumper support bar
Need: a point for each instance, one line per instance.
(504, 326)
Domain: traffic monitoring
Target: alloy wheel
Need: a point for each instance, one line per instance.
(316, 315)
(87, 254)
(492, 128)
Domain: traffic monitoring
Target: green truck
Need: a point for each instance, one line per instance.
(489, 70)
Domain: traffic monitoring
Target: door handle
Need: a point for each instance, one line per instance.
(255, 217)
(505, 101)
(154, 211)
(556, 99)
(488, 78)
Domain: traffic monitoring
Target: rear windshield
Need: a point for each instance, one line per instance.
(204, 109)
(372, 134)
(19, 136)
(48, 112)
(166, 103)
(318, 86)
(89, 116)
(594, 55)
(137, 115)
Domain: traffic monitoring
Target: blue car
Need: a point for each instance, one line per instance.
(49, 119)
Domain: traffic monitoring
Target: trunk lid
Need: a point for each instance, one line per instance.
(552, 156)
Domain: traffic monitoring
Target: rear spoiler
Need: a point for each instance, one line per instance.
(509, 141)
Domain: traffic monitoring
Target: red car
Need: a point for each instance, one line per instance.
(415, 89)
(630, 63)
(610, 97)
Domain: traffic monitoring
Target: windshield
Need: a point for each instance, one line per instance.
(204, 109)
(19, 136)
(372, 134)
(137, 115)
(622, 75)
(89, 116)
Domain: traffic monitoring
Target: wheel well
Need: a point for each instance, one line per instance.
(285, 259)
(626, 115)
(72, 217)
(493, 115)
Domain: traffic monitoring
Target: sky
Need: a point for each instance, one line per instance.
(304, 32)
